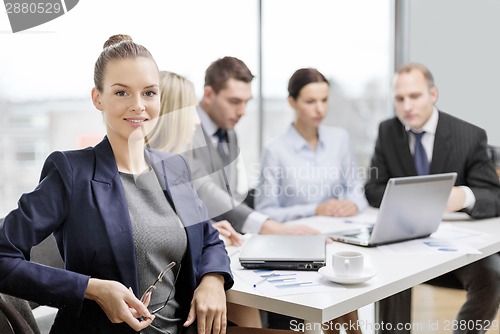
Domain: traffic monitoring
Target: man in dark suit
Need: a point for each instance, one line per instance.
(422, 140)
(215, 156)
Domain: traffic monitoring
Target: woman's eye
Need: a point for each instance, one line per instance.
(150, 93)
(120, 93)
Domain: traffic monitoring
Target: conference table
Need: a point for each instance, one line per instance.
(395, 271)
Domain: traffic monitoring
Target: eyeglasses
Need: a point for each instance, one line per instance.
(153, 287)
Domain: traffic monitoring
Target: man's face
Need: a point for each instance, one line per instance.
(413, 99)
(229, 105)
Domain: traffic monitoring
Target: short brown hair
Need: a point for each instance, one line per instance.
(418, 67)
(223, 69)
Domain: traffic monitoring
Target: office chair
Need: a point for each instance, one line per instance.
(16, 316)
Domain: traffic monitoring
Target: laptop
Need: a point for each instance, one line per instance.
(412, 207)
(286, 252)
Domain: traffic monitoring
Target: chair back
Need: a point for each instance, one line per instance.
(11, 320)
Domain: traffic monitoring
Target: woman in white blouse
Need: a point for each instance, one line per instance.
(310, 169)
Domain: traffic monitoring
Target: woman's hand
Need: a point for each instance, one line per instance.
(225, 229)
(119, 303)
(337, 208)
(209, 306)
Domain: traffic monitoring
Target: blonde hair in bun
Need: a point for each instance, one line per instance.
(115, 39)
(117, 47)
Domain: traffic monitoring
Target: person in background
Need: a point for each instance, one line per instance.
(174, 133)
(309, 170)
(175, 130)
(119, 222)
(423, 140)
(225, 96)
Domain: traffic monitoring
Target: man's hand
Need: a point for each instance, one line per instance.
(273, 227)
(456, 201)
(232, 238)
(209, 306)
(337, 208)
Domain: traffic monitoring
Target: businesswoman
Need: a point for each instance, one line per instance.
(174, 132)
(310, 170)
(121, 214)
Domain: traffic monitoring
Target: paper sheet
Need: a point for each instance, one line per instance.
(282, 282)
(447, 239)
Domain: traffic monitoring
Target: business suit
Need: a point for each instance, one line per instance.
(81, 200)
(458, 147)
(221, 198)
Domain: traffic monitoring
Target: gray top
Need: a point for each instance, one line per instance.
(159, 239)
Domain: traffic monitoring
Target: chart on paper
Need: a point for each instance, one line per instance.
(281, 282)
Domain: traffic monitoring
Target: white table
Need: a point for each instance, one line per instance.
(395, 273)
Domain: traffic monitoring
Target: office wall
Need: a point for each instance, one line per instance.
(459, 41)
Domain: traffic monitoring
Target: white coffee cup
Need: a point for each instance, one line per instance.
(347, 263)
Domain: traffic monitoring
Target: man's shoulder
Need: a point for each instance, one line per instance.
(453, 120)
(390, 125)
(458, 125)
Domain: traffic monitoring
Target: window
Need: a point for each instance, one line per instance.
(350, 43)
(46, 78)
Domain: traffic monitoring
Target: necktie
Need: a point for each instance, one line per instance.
(419, 155)
(222, 138)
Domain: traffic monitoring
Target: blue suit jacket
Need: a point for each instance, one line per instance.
(81, 200)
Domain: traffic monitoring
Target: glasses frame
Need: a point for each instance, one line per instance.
(159, 279)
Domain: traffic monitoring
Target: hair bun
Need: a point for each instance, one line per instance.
(115, 39)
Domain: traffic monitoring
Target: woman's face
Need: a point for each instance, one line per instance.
(129, 100)
(311, 105)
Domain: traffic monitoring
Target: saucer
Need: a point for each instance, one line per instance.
(327, 273)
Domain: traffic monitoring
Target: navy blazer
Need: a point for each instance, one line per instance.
(458, 147)
(80, 199)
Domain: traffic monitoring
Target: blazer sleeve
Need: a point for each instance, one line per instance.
(214, 258)
(379, 171)
(210, 186)
(481, 178)
(40, 213)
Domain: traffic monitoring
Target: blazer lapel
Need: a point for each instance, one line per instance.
(173, 175)
(110, 198)
(442, 146)
(402, 149)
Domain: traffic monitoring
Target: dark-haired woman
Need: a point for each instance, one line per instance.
(310, 170)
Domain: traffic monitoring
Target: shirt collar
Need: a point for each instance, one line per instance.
(209, 125)
(298, 142)
(431, 125)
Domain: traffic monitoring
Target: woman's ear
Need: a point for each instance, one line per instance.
(96, 99)
(292, 102)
